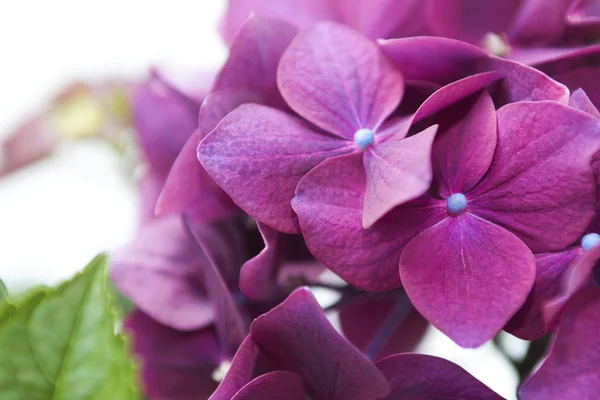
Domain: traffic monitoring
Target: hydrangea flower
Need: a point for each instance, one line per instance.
(340, 82)
(293, 351)
(476, 227)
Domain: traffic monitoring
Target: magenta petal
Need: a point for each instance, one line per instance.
(581, 101)
(339, 80)
(463, 151)
(470, 20)
(230, 324)
(161, 272)
(397, 171)
(278, 385)
(571, 369)
(467, 276)
(258, 154)
(528, 323)
(259, 275)
(297, 336)
(300, 13)
(360, 323)
(539, 22)
(329, 204)
(174, 364)
(254, 56)
(419, 377)
(540, 185)
(242, 370)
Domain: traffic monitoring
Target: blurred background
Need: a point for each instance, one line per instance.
(56, 214)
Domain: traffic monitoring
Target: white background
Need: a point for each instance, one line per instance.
(56, 215)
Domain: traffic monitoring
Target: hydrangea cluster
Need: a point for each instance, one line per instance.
(439, 156)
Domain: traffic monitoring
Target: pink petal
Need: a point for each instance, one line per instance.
(571, 369)
(464, 148)
(420, 377)
(528, 323)
(581, 101)
(470, 20)
(300, 13)
(338, 80)
(278, 385)
(297, 336)
(242, 370)
(329, 204)
(583, 77)
(539, 22)
(161, 272)
(397, 171)
(467, 276)
(258, 154)
(540, 185)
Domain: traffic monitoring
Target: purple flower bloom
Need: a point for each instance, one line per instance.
(340, 82)
(469, 269)
(571, 369)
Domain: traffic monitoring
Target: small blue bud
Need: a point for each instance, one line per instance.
(590, 241)
(456, 203)
(364, 138)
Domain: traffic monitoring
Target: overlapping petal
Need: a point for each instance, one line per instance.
(540, 185)
(277, 385)
(467, 276)
(338, 80)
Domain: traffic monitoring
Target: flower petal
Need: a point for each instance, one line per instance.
(417, 377)
(277, 385)
(300, 13)
(338, 80)
(259, 274)
(258, 154)
(581, 101)
(161, 273)
(329, 204)
(571, 369)
(467, 276)
(464, 148)
(470, 20)
(528, 323)
(360, 322)
(174, 364)
(539, 22)
(297, 336)
(397, 171)
(540, 185)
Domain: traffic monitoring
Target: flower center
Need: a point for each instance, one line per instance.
(590, 241)
(456, 203)
(364, 138)
(495, 45)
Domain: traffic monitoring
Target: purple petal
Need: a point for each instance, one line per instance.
(258, 155)
(259, 274)
(470, 20)
(300, 13)
(230, 324)
(338, 80)
(584, 12)
(571, 369)
(418, 377)
(396, 171)
(329, 204)
(464, 149)
(539, 22)
(528, 323)
(242, 371)
(582, 77)
(467, 276)
(278, 385)
(161, 273)
(581, 101)
(174, 364)
(254, 56)
(360, 322)
(297, 336)
(540, 185)
(379, 19)
(164, 119)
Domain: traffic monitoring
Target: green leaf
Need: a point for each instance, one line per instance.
(60, 343)
(3, 291)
